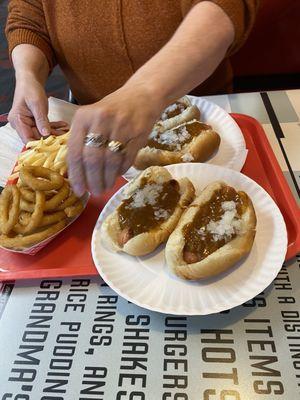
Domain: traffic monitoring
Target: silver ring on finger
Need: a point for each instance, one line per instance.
(95, 140)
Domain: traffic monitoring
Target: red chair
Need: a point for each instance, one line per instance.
(273, 46)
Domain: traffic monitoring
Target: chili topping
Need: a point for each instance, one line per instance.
(150, 205)
(175, 139)
(216, 223)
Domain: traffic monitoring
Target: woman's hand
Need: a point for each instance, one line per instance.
(30, 106)
(29, 111)
(127, 116)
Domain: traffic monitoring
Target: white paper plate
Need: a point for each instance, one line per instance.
(147, 282)
(232, 152)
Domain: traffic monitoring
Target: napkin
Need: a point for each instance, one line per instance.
(11, 145)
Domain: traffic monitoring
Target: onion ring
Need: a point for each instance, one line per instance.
(19, 242)
(56, 203)
(59, 197)
(74, 210)
(35, 217)
(9, 208)
(48, 219)
(26, 205)
(70, 201)
(31, 177)
(24, 218)
(27, 194)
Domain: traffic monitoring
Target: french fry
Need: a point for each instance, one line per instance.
(49, 161)
(50, 139)
(32, 144)
(26, 154)
(61, 154)
(63, 170)
(57, 166)
(33, 159)
(50, 152)
(64, 136)
(39, 162)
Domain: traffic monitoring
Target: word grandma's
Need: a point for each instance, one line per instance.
(34, 341)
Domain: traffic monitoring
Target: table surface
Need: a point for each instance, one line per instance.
(76, 339)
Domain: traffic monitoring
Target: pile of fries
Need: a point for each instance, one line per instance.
(39, 206)
(49, 153)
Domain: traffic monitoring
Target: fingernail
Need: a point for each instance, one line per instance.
(45, 132)
(79, 191)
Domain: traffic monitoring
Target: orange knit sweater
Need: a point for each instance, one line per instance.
(100, 43)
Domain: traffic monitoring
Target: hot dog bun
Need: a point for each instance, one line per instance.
(185, 112)
(113, 235)
(225, 256)
(204, 144)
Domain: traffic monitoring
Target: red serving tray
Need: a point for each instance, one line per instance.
(262, 166)
(69, 254)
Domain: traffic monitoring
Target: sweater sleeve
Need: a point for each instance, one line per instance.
(26, 24)
(242, 13)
